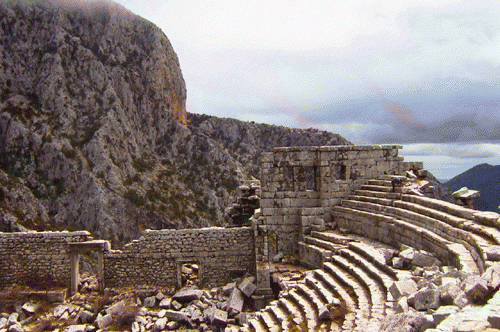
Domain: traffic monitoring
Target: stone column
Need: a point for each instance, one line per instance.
(75, 271)
(100, 271)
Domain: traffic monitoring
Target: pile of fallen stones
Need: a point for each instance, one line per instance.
(432, 292)
(140, 310)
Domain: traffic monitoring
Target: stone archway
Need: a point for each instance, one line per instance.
(78, 248)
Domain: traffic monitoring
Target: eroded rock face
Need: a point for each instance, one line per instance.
(93, 128)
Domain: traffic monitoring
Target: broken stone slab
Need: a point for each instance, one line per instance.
(492, 277)
(3, 322)
(227, 289)
(135, 327)
(424, 299)
(424, 259)
(16, 328)
(492, 253)
(30, 307)
(177, 316)
(86, 316)
(443, 312)
(407, 254)
(103, 321)
(76, 328)
(219, 317)
(13, 319)
(402, 305)
(116, 308)
(150, 302)
(475, 288)
(171, 326)
(465, 193)
(247, 287)
(176, 305)
(472, 326)
(236, 302)
(160, 324)
(403, 288)
(187, 295)
(160, 296)
(449, 292)
(165, 303)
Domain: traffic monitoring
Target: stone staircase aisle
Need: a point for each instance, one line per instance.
(353, 272)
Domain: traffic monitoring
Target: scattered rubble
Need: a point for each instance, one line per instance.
(138, 310)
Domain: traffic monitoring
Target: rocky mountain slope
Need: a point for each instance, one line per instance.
(93, 128)
(486, 179)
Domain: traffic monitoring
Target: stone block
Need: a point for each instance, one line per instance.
(177, 316)
(236, 302)
(187, 295)
(425, 299)
(160, 324)
(166, 303)
(403, 288)
(219, 317)
(475, 288)
(150, 302)
(247, 287)
(103, 321)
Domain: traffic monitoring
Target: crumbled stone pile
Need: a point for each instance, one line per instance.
(247, 201)
(140, 310)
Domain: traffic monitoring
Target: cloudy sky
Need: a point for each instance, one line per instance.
(424, 74)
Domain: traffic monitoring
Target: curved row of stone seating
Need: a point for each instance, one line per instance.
(474, 230)
(352, 272)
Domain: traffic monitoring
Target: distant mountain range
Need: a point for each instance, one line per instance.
(486, 179)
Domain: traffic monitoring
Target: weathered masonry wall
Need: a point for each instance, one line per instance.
(157, 258)
(29, 258)
(299, 185)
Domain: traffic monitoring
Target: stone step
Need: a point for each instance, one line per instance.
(380, 194)
(490, 235)
(376, 188)
(332, 237)
(439, 227)
(372, 255)
(378, 182)
(323, 293)
(256, 325)
(377, 200)
(327, 245)
(440, 205)
(376, 292)
(353, 286)
(306, 308)
(311, 296)
(280, 315)
(349, 299)
(269, 322)
(384, 280)
(291, 310)
(391, 230)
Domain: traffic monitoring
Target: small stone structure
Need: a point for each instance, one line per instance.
(155, 259)
(300, 185)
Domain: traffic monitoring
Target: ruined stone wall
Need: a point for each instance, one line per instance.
(299, 185)
(156, 258)
(35, 258)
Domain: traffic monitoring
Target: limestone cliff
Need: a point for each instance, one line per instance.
(93, 130)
